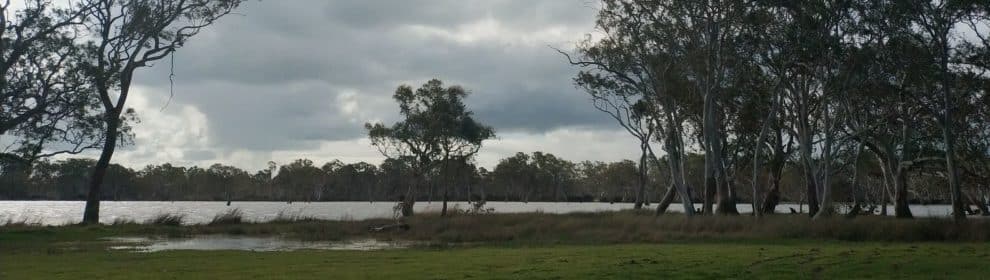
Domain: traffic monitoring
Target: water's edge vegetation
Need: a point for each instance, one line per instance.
(534, 228)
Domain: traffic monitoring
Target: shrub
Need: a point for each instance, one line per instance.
(167, 220)
(230, 217)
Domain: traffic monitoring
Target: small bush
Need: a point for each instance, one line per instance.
(231, 217)
(167, 220)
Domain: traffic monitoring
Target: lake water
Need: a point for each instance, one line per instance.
(247, 243)
(196, 212)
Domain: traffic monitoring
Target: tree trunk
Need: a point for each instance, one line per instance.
(756, 170)
(668, 197)
(410, 199)
(91, 215)
(884, 192)
(674, 147)
(481, 190)
(804, 135)
(826, 176)
(446, 181)
(717, 183)
(883, 202)
(809, 177)
(949, 139)
(641, 190)
(776, 170)
(901, 209)
(811, 190)
(429, 194)
(443, 210)
(726, 198)
(772, 197)
(708, 201)
(857, 206)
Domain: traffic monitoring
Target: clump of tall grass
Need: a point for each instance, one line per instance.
(24, 222)
(284, 217)
(635, 227)
(230, 217)
(473, 208)
(123, 222)
(584, 228)
(167, 219)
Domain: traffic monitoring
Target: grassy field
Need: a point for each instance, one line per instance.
(527, 246)
(791, 260)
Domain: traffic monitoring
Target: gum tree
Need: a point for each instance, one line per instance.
(44, 100)
(436, 129)
(127, 36)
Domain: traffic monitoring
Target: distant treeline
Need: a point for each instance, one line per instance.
(523, 177)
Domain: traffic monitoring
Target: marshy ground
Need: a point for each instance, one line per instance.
(617, 245)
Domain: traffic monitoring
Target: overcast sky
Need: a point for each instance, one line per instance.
(294, 79)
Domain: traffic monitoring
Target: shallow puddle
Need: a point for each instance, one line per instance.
(245, 243)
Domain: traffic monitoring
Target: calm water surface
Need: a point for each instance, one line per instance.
(196, 212)
(248, 243)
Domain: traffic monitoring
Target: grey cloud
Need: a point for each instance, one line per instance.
(272, 79)
(525, 14)
(271, 117)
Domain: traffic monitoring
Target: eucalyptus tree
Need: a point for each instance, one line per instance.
(622, 174)
(436, 128)
(974, 140)
(45, 103)
(955, 34)
(484, 182)
(709, 34)
(633, 65)
(933, 25)
(628, 108)
(513, 174)
(127, 36)
(839, 44)
(226, 177)
(887, 106)
(754, 45)
(356, 181)
(593, 181)
(556, 173)
(406, 141)
(759, 98)
(164, 182)
(458, 135)
(299, 180)
(765, 46)
(800, 56)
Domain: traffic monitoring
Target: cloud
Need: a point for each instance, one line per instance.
(298, 79)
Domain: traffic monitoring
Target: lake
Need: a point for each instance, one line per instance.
(197, 212)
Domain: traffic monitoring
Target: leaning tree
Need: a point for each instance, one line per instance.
(127, 36)
(638, 72)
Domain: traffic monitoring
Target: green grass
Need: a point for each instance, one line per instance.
(625, 245)
(797, 260)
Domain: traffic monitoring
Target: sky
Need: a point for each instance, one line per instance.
(287, 79)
